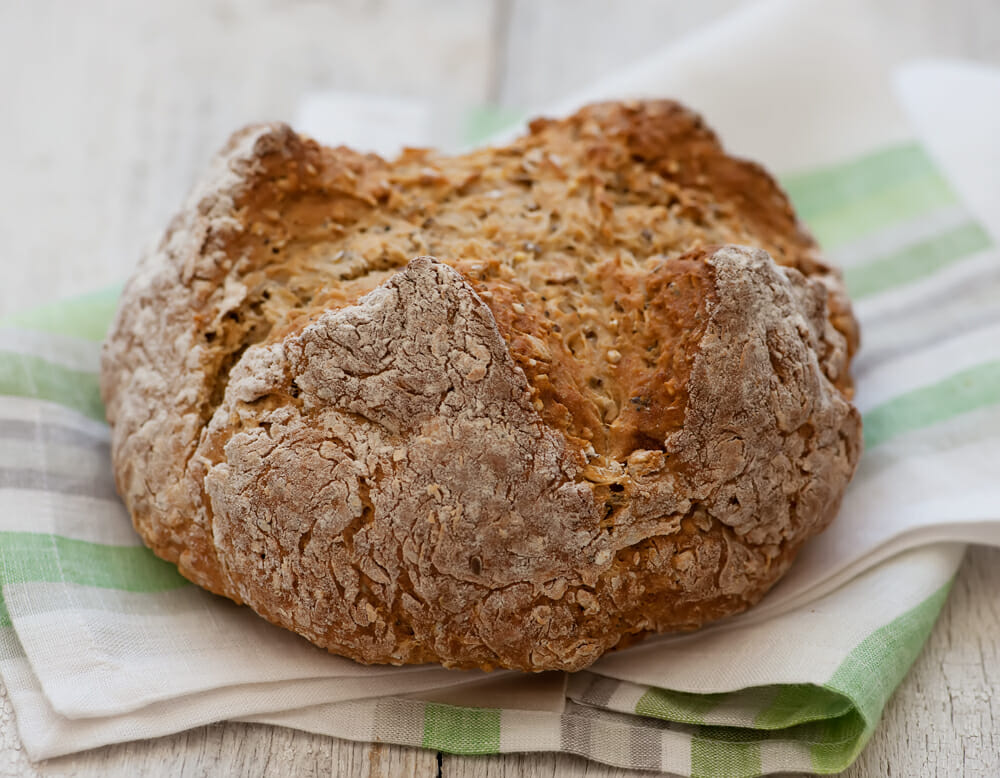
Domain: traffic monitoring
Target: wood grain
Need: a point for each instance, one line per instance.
(945, 717)
(558, 46)
(111, 108)
(245, 750)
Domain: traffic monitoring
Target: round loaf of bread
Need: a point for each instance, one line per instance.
(513, 408)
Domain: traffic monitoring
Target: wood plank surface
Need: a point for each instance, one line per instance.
(110, 109)
(233, 749)
(944, 719)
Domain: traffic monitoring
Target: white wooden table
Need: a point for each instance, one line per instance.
(109, 109)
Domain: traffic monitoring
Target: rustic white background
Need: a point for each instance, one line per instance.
(109, 108)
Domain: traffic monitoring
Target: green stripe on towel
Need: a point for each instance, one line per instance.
(32, 557)
(728, 751)
(965, 391)
(916, 261)
(682, 707)
(799, 703)
(22, 375)
(87, 316)
(461, 730)
(870, 674)
(843, 202)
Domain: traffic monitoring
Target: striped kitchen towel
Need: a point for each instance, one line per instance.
(101, 642)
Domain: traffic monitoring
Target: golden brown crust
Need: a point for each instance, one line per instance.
(610, 421)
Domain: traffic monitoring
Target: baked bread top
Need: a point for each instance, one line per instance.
(512, 408)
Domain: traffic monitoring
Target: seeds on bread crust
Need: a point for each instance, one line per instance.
(588, 417)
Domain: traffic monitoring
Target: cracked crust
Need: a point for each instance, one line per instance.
(587, 418)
